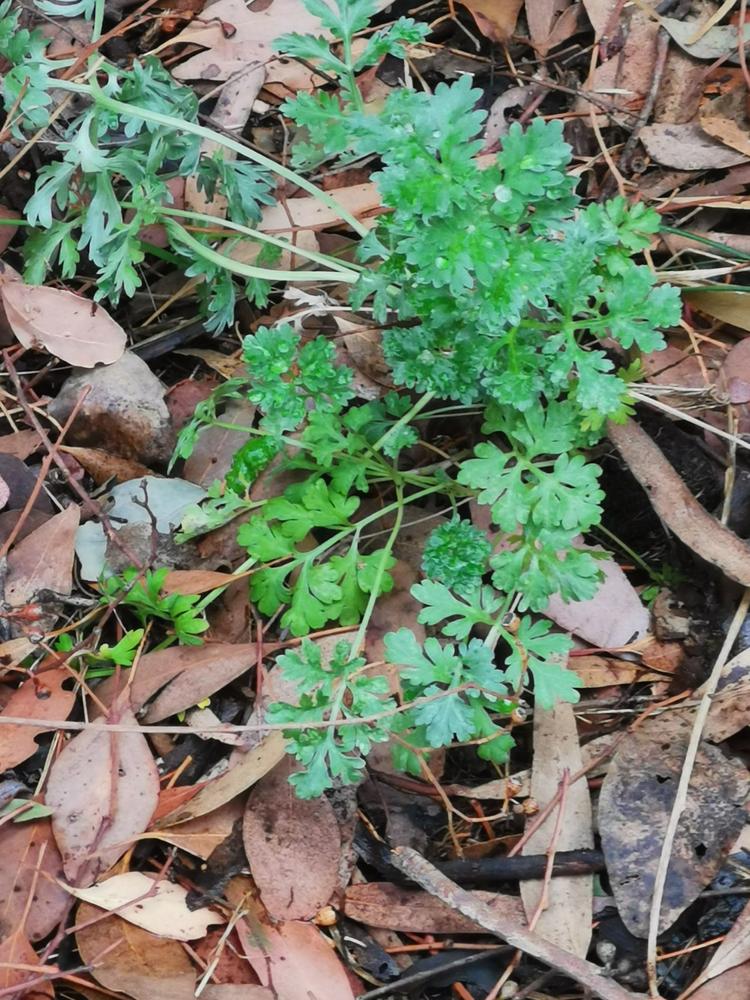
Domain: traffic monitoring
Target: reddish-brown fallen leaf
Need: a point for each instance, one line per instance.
(42, 698)
(200, 836)
(496, 19)
(205, 669)
(21, 444)
(103, 789)
(602, 671)
(72, 328)
(216, 447)
(566, 918)
(292, 956)
(103, 465)
(128, 959)
(551, 22)
(726, 119)
(43, 560)
(293, 846)
(155, 905)
(195, 581)
(382, 904)
(676, 505)
(170, 799)
(15, 953)
(31, 860)
(249, 768)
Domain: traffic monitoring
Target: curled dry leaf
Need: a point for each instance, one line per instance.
(131, 960)
(31, 861)
(496, 19)
(391, 907)
(687, 147)
(40, 697)
(676, 505)
(103, 789)
(249, 768)
(72, 328)
(634, 807)
(293, 846)
(566, 918)
(292, 956)
(155, 905)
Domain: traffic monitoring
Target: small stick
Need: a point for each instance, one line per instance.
(586, 973)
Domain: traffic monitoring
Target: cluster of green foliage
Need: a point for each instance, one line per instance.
(495, 289)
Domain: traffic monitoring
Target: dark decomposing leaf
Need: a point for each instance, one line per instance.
(634, 806)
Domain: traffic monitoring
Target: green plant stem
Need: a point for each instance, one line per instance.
(249, 270)
(261, 237)
(92, 89)
(98, 26)
(405, 419)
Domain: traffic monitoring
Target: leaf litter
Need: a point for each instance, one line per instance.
(160, 832)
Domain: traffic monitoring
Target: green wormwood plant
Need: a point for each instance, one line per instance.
(494, 288)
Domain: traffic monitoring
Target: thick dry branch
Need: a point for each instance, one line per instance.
(586, 973)
(676, 505)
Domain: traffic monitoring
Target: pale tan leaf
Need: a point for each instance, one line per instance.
(293, 846)
(155, 905)
(550, 22)
(196, 581)
(566, 920)
(730, 307)
(726, 119)
(248, 769)
(103, 789)
(20, 443)
(687, 147)
(72, 328)
(131, 960)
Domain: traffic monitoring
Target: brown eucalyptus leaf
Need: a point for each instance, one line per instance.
(131, 960)
(202, 835)
(496, 19)
(31, 860)
(391, 907)
(293, 846)
(216, 447)
(74, 329)
(49, 696)
(687, 147)
(16, 955)
(103, 789)
(103, 466)
(249, 768)
(634, 807)
(292, 957)
(21, 444)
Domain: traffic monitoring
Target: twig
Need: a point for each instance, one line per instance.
(662, 48)
(586, 973)
(680, 800)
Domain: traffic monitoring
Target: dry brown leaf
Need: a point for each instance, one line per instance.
(292, 957)
(382, 904)
(551, 22)
(216, 447)
(735, 982)
(237, 991)
(72, 328)
(196, 581)
(629, 70)
(293, 846)
(613, 617)
(200, 836)
(635, 803)
(496, 19)
(719, 42)
(600, 13)
(602, 671)
(103, 465)
(103, 789)
(128, 959)
(727, 975)
(31, 860)
(676, 505)
(43, 560)
(155, 905)
(205, 669)
(43, 697)
(726, 119)
(566, 919)
(15, 953)
(248, 769)
(21, 444)
(687, 147)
